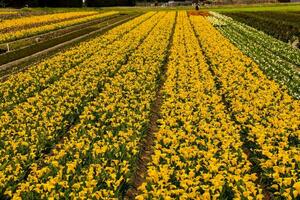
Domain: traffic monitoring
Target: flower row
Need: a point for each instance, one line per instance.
(23, 33)
(31, 128)
(278, 47)
(278, 60)
(96, 159)
(269, 117)
(198, 152)
(40, 76)
(35, 20)
(8, 13)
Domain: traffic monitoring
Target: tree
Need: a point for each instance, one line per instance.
(108, 3)
(15, 3)
(61, 3)
(3, 3)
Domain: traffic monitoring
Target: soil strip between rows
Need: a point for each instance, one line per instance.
(146, 145)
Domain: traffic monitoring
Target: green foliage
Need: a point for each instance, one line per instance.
(41, 3)
(277, 59)
(294, 7)
(62, 3)
(281, 25)
(108, 3)
(14, 3)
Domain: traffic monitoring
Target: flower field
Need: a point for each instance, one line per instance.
(165, 106)
(8, 13)
(19, 28)
(277, 59)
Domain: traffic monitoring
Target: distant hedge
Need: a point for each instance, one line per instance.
(67, 3)
(107, 3)
(61, 3)
(43, 3)
(14, 3)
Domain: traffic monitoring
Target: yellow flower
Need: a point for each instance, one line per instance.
(71, 167)
(8, 193)
(297, 187)
(139, 197)
(206, 196)
(48, 186)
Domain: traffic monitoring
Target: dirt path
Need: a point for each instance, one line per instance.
(146, 145)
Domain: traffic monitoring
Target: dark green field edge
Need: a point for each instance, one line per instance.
(278, 48)
(30, 46)
(28, 41)
(37, 52)
(275, 67)
(287, 31)
(288, 17)
(74, 117)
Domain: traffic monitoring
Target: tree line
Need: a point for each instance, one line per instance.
(65, 3)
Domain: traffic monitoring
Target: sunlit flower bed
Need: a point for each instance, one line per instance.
(198, 152)
(60, 21)
(279, 60)
(270, 118)
(72, 125)
(39, 122)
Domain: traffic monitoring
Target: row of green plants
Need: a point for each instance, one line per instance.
(277, 59)
(281, 25)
